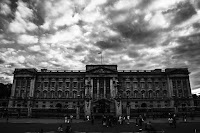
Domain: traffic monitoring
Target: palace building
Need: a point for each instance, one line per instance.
(100, 89)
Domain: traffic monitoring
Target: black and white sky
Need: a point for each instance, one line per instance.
(68, 34)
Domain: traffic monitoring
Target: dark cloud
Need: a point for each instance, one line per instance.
(140, 65)
(79, 48)
(196, 25)
(138, 33)
(2, 61)
(111, 43)
(13, 5)
(182, 12)
(11, 65)
(144, 3)
(38, 11)
(133, 54)
(189, 47)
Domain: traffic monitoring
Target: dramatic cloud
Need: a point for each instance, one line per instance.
(134, 34)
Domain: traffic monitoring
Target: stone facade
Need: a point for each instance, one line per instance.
(101, 89)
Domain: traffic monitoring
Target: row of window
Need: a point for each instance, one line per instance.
(59, 94)
(179, 84)
(60, 84)
(145, 85)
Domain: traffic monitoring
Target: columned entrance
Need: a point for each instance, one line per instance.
(103, 107)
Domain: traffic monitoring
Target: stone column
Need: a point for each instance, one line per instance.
(12, 93)
(31, 95)
(91, 91)
(77, 112)
(104, 89)
(170, 87)
(111, 88)
(97, 88)
(86, 88)
(32, 87)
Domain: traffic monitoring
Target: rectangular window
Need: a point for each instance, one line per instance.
(142, 84)
(38, 84)
(67, 84)
(164, 84)
(75, 84)
(134, 85)
(53, 84)
(60, 84)
(45, 84)
(149, 85)
(82, 84)
(127, 84)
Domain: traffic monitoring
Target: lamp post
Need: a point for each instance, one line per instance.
(78, 108)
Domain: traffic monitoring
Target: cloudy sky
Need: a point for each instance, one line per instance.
(68, 34)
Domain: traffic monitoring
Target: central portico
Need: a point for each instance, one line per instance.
(101, 89)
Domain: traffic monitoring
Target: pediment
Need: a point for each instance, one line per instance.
(101, 70)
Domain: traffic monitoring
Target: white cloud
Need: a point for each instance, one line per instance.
(65, 35)
(196, 91)
(27, 39)
(35, 48)
(22, 23)
(4, 9)
(159, 21)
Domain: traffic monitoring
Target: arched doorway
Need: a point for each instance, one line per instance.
(102, 106)
(143, 105)
(59, 105)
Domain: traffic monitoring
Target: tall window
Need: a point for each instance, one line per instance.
(18, 82)
(75, 84)
(156, 85)
(149, 85)
(164, 85)
(67, 84)
(134, 85)
(60, 84)
(174, 84)
(142, 84)
(164, 93)
(22, 93)
(157, 93)
(52, 94)
(45, 84)
(135, 94)
(74, 94)
(67, 94)
(45, 94)
(53, 84)
(38, 94)
(38, 84)
(143, 94)
(179, 84)
(150, 94)
(128, 93)
(59, 94)
(127, 84)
